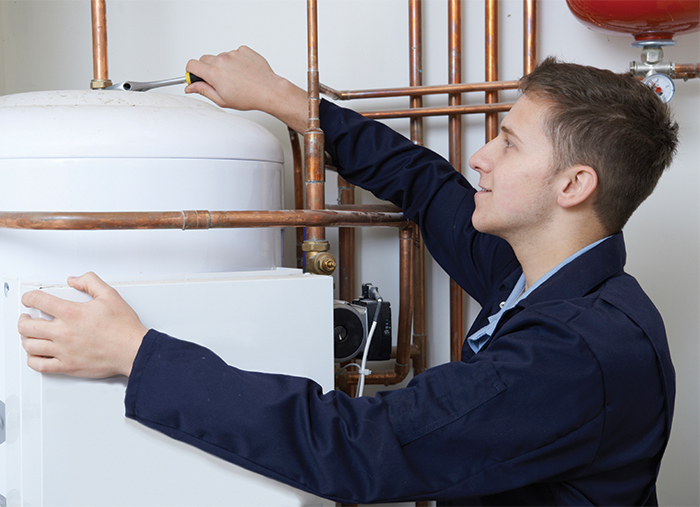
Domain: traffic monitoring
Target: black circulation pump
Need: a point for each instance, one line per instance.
(352, 323)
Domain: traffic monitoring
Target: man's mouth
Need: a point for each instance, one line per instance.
(482, 189)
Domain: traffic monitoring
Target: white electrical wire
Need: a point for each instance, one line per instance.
(363, 369)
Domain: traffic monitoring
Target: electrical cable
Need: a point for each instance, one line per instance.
(345, 368)
(363, 369)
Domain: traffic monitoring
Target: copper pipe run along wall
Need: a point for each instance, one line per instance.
(686, 71)
(491, 45)
(415, 30)
(196, 219)
(438, 111)
(415, 33)
(313, 137)
(99, 45)
(381, 93)
(346, 245)
(529, 36)
(455, 157)
(298, 190)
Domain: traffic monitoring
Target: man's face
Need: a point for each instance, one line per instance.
(516, 197)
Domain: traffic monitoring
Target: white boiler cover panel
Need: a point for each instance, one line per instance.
(68, 441)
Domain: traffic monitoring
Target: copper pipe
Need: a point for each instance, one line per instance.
(454, 77)
(381, 93)
(415, 351)
(438, 111)
(419, 339)
(196, 219)
(98, 11)
(455, 158)
(415, 33)
(313, 137)
(686, 71)
(529, 35)
(491, 45)
(383, 208)
(346, 245)
(298, 190)
(403, 345)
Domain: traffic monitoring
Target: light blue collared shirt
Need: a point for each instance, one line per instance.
(479, 338)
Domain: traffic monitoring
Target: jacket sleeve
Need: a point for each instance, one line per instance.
(430, 192)
(458, 430)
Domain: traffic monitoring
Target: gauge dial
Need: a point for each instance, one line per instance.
(662, 84)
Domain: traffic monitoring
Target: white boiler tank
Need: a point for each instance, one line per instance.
(131, 151)
(127, 151)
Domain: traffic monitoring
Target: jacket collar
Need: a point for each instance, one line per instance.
(579, 277)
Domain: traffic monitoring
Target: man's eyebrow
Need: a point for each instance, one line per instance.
(510, 133)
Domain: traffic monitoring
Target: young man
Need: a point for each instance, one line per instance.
(564, 395)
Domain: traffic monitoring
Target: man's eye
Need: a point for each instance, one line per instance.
(508, 143)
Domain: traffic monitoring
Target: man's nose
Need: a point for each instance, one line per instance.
(481, 161)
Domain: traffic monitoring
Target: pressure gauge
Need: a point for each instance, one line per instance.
(662, 84)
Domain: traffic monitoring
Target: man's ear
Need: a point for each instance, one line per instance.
(578, 183)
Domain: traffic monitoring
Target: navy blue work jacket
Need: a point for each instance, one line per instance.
(569, 403)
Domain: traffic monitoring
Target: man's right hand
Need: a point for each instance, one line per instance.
(242, 79)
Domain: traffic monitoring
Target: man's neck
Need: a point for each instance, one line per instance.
(541, 253)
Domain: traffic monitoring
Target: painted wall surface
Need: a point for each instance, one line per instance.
(46, 45)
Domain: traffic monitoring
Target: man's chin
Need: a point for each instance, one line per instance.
(484, 228)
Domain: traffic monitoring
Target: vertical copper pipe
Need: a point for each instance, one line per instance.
(298, 190)
(403, 345)
(530, 35)
(415, 31)
(420, 362)
(99, 45)
(455, 156)
(491, 65)
(313, 137)
(455, 76)
(346, 246)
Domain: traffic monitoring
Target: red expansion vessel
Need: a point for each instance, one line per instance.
(646, 20)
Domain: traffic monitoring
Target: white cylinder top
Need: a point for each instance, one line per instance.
(119, 124)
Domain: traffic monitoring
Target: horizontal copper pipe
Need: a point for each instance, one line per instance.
(438, 111)
(379, 208)
(413, 91)
(686, 70)
(199, 219)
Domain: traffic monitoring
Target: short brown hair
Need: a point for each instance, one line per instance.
(610, 122)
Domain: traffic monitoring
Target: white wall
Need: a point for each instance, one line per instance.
(46, 45)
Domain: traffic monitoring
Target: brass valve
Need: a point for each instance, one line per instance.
(320, 263)
(319, 260)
